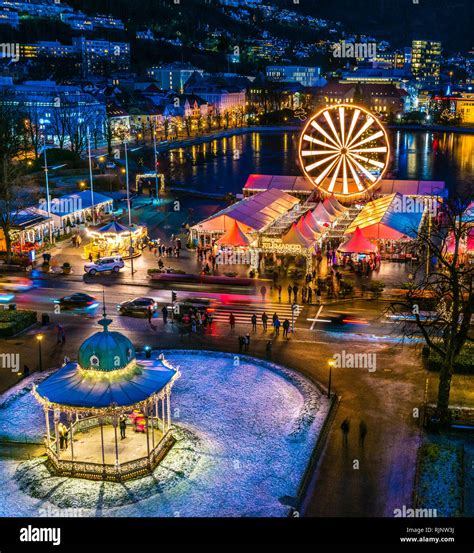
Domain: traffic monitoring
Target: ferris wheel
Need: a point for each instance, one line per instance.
(344, 150)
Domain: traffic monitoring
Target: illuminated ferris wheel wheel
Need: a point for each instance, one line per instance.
(344, 150)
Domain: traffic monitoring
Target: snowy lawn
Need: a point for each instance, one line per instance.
(245, 429)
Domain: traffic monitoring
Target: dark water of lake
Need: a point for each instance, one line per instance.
(224, 165)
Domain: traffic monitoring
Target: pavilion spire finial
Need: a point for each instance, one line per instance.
(104, 322)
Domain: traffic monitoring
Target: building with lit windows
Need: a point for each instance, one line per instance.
(102, 56)
(307, 76)
(173, 76)
(426, 61)
(383, 99)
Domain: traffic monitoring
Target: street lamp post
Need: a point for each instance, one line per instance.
(48, 198)
(90, 175)
(128, 205)
(156, 161)
(39, 338)
(331, 365)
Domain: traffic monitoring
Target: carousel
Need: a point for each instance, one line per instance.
(108, 415)
(115, 238)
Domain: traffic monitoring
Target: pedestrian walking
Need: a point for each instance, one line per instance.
(254, 323)
(279, 289)
(90, 257)
(318, 296)
(295, 293)
(290, 289)
(264, 321)
(241, 343)
(345, 427)
(164, 312)
(123, 426)
(310, 295)
(149, 314)
(247, 341)
(61, 338)
(268, 349)
(263, 292)
(303, 294)
(232, 321)
(286, 328)
(362, 433)
(276, 326)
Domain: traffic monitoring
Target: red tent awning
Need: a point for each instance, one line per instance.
(357, 243)
(234, 236)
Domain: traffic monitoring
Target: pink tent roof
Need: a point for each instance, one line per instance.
(321, 214)
(312, 223)
(336, 205)
(234, 236)
(330, 208)
(254, 214)
(305, 229)
(466, 245)
(294, 236)
(357, 243)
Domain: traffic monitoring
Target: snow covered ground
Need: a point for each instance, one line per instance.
(245, 428)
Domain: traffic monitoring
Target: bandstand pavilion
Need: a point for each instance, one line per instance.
(89, 399)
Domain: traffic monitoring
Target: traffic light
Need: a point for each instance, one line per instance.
(174, 297)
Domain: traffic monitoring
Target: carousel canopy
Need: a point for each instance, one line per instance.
(253, 214)
(106, 374)
(386, 218)
(114, 227)
(357, 243)
(321, 214)
(234, 236)
(295, 237)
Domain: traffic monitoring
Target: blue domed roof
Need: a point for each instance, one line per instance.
(106, 351)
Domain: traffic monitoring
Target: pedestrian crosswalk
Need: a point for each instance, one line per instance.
(243, 312)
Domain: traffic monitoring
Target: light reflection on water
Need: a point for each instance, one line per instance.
(224, 165)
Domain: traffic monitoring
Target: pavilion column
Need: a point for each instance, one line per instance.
(114, 422)
(151, 410)
(162, 414)
(101, 424)
(146, 430)
(56, 432)
(168, 407)
(71, 432)
(46, 418)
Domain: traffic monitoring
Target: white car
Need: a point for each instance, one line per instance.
(104, 264)
(15, 284)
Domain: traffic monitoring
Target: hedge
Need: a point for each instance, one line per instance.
(440, 482)
(464, 363)
(12, 322)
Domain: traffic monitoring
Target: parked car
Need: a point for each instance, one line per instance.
(77, 301)
(105, 264)
(15, 284)
(137, 306)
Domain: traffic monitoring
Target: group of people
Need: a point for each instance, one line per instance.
(345, 429)
(207, 259)
(198, 320)
(276, 323)
(161, 250)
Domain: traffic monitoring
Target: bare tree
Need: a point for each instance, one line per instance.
(448, 288)
(12, 135)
